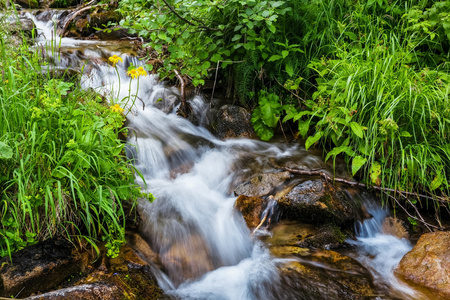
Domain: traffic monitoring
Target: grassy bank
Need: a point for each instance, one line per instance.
(62, 166)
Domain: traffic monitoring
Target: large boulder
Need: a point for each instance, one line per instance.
(428, 263)
(319, 202)
(233, 122)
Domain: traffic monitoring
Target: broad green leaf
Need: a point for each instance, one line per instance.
(338, 150)
(313, 139)
(275, 57)
(405, 134)
(357, 163)
(289, 70)
(272, 28)
(303, 127)
(357, 129)
(437, 181)
(270, 110)
(6, 151)
(284, 53)
(375, 171)
(261, 129)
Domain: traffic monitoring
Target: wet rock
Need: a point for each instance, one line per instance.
(39, 268)
(395, 227)
(84, 25)
(126, 276)
(233, 122)
(305, 236)
(142, 248)
(23, 25)
(318, 202)
(27, 3)
(89, 291)
(428, 263)
(262, 185)
(325, 275)
(251, 209)
(187, 258)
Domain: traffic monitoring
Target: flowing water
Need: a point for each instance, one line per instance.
(206, 250)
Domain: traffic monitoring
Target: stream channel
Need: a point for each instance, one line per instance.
(192, 174)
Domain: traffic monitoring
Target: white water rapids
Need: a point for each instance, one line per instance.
(206, 249)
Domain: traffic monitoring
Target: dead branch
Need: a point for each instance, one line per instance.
(184, 106)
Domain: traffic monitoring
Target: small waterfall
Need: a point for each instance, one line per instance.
(205, 247)
(381, 252)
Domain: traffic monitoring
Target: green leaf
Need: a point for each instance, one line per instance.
(375, 171)
(303, 127)
(270, 109)
(272, 28)
(261, 129)
(357, 163)
(338, 150)
(275, 57)
(437, 181)
(357, 129)
(284, 53)
(405, 134)
(313, 139)
(6, 151)
(171, 30)
(289, 70)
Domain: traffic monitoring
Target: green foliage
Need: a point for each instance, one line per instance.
(62, 165)
(266, 116)
(366, 80)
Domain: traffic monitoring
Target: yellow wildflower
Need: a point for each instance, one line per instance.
(115, 59)
(117, 108)
(133, 73)
(142, 71)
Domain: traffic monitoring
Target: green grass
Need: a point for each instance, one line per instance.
(62, 165)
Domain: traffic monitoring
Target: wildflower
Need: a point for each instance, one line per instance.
(142, 71)
(117, 108)
(133, 73)
(115, 59)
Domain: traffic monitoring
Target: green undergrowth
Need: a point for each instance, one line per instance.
(364, 80)
(63, 171)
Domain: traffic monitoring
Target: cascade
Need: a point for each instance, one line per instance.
(205, 247)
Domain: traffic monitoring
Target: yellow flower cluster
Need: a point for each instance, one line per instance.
(135, 73)
(117, 108)
(115, 59)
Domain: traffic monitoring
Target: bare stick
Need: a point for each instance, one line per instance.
(183, 107)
